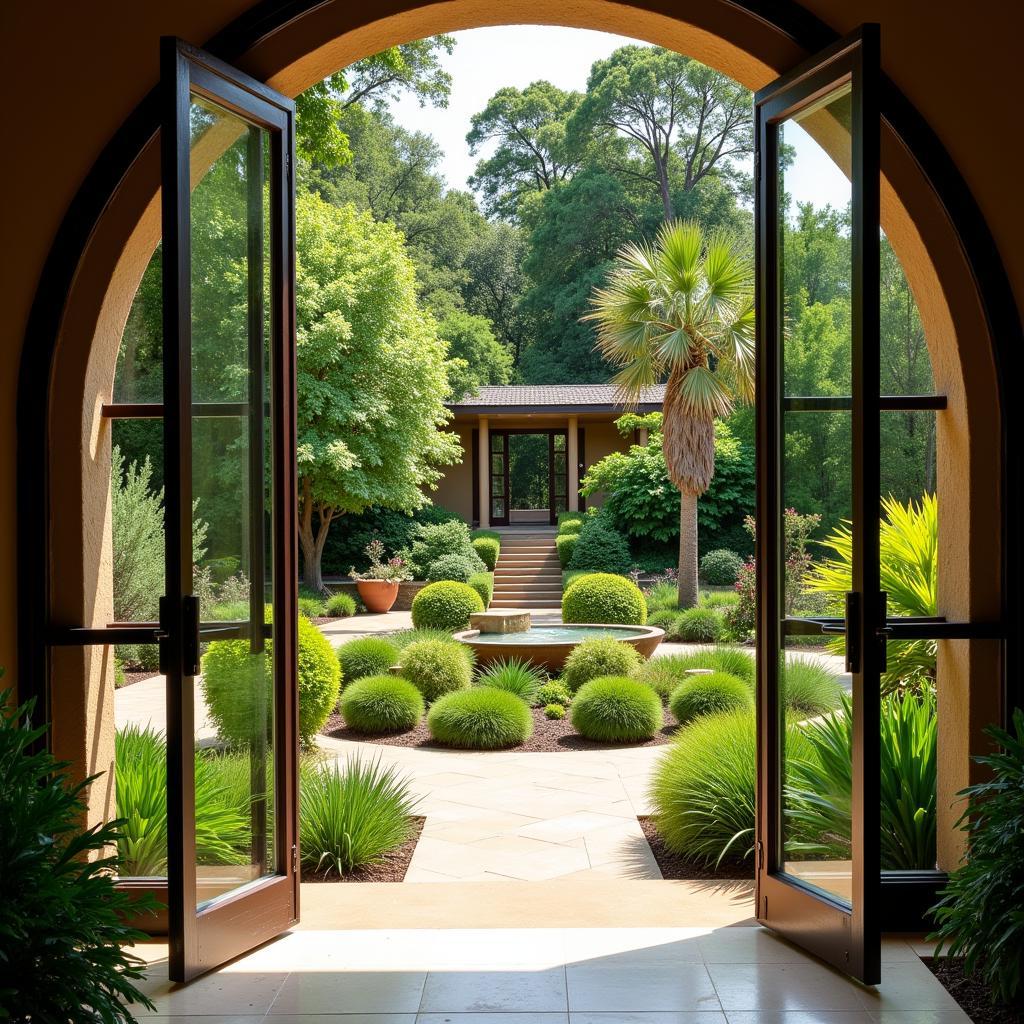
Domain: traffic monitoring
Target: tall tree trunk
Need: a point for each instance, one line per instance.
(688, 592)
(311, 540)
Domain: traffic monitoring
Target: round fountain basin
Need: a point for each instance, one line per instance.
(549, 646)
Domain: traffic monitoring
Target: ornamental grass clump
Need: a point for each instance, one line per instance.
(514, 676)
(713, 694)
(616, 709)
(435, 667)
(810, 689)
(483, 718)
(697, 626)
(376, 705)
(600, 656)
(341, 606)
(665, 672)
(351, 816)
(446, 606)
(366, 656)
(606, 598)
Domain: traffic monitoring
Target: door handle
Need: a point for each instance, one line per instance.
(189, 626)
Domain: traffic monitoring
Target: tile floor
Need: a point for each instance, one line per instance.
(742, 975)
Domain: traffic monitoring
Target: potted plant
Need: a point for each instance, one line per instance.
(378, 586)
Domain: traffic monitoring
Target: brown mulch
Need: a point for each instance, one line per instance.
(550, 735)
(391, 868)
(971, 993)
(674, 866)
(130, 678)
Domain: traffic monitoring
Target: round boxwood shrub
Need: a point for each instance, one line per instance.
(719, 568)
(666, 672)
(601, 656)
(483, 584)
(446, 605)
(553, 693)
(480, 719)
(341, 605)
(604, 597)
(435, 667)
(232, 676)
(381, 704)
(366, 656)
(602, 549)
(488, 548)
(616, 709)
(566, 545)
(570, 522)
(709, 695)
(554, 711)
(697, 626)
(810, 689)
(451, 567)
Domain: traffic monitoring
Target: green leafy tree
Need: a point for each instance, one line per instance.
(371, 375)
(682, 309)
(476, 357)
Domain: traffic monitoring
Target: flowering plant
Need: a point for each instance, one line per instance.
(394, 570)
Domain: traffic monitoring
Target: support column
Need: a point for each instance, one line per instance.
(484, 462)
(573, 460)
(643, 437)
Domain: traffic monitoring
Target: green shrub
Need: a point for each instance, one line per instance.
(232, 679)
(601, 549)
(65, 946)
(554, 711)
(446, 605)
(351, 816)
(366, 656)
(979, 916)
(229, 611)
(483, 584)
(810, 689)
(709, 695)
(601, 656)
(119, 678)
(720, 568)
(139, 657)
(514, 676)
(697, 626)
(723, 599)
(604, 598)
(381, 704)
(483, 718)
(616, 709)
(666, 672)
(553, 693)
(224, 568)
(451, 567)
(341, 606)
(311, 607)
(570, 522)
(566, 544)
(662, 596)
(435, 540)
(488, 546)
(571, 575)
(663, 618)
(435, 667)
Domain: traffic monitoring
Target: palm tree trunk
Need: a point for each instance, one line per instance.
(688, 593)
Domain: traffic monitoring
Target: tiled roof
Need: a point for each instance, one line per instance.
(557, 395)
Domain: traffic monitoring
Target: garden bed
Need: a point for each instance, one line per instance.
(131, 678)
(972, 995)
(549, 736)
(391, 868)
(675, 867)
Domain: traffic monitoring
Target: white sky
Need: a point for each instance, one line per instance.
(485, 59)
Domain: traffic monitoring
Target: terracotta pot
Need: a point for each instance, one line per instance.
(377, 595)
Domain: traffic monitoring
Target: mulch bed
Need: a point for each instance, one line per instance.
(130, 678)
(675, 867)
(549, 736)
(391, 868)
(972, 995)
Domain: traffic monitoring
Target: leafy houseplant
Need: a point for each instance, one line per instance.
(378, 586)
(62, 935)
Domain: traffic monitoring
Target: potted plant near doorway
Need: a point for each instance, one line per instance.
(378, 585)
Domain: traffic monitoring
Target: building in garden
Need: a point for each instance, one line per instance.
(527, 448)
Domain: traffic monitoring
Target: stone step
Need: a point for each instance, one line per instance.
(548, 575)
(526, 602)
(528, 556)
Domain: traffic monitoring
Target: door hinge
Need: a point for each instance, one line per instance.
(760, 856)
(295, 860)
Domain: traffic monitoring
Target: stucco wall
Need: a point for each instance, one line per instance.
(455, 489)
(601, 439)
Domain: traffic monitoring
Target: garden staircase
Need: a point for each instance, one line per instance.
(528, 574)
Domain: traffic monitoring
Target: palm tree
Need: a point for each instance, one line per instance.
(682, 309)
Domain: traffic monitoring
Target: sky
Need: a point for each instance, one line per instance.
(485, 59)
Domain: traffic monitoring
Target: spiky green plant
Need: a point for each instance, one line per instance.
(809, 687)
(711, 694)
(661, 597)
(381, 704)
(666, 672)
(514, 676)
(351, 816)
(366, 656)
(616, 709)
(480, 719)
(599, 656)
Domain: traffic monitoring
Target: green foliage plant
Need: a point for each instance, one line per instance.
(565, 545)
(65, 949)
(484, 718)
(488, 546)
(514, 676)
(600, 548)
(616, 709)
(451, 567)
(710, 694)
(381, 704)
(663, 596)
(483, 584)
(312, 607)
(435, 667)
(604, 598)
(719, 568)
(366, 656)
(599, 656)
(809, 688)
(446, 605)
(697, 626)
(554, 692)
(340, 606)
(237, 685)
(436, 540)
(554, 711)
(979, 916)
(663, 618)
(351, 816)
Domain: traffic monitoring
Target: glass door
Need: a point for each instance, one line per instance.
(229, 450)
(558, 467)
(498, 471)
(819, 885)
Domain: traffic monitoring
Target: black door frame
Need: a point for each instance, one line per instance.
(506, 433)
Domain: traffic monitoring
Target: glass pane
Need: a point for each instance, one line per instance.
(561, 503)
(559, 442)
(905, 366)
(528, 471)
(908, 468)
(817, 345)
(497, 442)
(230, 480)
(497, 465)
(497, 485)
(140, 371)
(561, 465)
(497, 508)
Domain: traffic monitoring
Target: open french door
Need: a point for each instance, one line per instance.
(229, 450)
(822, 892)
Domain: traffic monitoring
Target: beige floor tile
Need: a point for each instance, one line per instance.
(651, 1017)
(592, 947)
(493, 1018)
(570, 826)
(218, 993)
(338, 1018)
(442, 780)
(748, 946)
(381, 991)
(521, 844)
(799, 1017)
(783, 986)
(640, 987)
(475, 991)
(907, 986)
